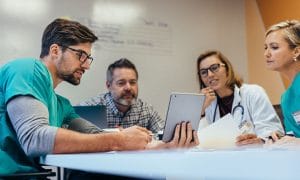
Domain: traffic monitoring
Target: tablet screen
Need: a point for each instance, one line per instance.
(182, 107)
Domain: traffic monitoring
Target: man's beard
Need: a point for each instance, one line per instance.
(125, 102)
(122, 101)
(70, 78)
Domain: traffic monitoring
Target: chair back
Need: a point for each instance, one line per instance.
(278, 110)
(41, 175)
(94, 114)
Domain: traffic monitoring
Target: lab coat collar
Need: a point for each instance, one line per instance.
(237, 96)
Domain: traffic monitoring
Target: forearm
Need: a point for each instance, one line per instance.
(83, 126)
(67, 141)
(38, 138)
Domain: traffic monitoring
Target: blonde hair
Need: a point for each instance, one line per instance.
(233, 78)
(291, 31)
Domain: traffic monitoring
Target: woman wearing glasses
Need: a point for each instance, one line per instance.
(282, 54)
(225, 93)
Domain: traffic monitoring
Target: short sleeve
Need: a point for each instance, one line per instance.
(66, 110)
(25, 77)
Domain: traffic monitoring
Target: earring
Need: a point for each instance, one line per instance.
(295, 59)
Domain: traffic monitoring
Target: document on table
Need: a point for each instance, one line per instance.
(220, 135)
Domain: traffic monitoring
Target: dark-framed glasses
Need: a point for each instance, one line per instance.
(213, 68)
(82, 55)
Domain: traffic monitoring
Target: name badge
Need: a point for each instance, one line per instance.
(296, 116)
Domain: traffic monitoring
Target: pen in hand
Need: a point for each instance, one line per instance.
(275, 136)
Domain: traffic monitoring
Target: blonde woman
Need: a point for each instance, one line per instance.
(282, 54)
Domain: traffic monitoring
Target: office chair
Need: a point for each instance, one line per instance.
(278, 110)
(94, 114)
(41, 175)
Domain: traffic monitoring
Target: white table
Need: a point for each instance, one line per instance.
(238, 164)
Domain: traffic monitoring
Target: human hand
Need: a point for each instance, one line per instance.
(184, 137)
(135, 138)
(248, 139)
(275, 136)
(286, 140)
(210, 97)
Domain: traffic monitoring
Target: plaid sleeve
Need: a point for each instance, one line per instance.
(155, 123)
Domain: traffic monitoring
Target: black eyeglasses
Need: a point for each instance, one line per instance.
(213, 68)
(82, 55)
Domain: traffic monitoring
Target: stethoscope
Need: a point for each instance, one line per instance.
(239, 106)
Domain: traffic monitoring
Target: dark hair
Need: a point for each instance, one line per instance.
(121, 63)
(65, 33)
(233, 79)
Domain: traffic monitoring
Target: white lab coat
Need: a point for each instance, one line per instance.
(257, 108)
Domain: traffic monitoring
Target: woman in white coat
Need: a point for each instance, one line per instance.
(225, 93)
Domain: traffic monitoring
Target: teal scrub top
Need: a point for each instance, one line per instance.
(290, 104)
(29, 77)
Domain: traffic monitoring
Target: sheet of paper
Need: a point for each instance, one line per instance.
(220, 135)
(111, 130)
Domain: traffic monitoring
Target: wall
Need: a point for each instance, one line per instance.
(163, 39)
(260, 15)
(274, 11)
(257, 71)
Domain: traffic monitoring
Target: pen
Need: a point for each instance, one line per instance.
(271, 138)
(280, 136)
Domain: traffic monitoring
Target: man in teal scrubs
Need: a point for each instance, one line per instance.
(31, 113)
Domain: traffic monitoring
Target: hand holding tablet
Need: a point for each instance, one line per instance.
(183, 107)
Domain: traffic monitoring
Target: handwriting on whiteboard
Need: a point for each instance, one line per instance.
(143, 36)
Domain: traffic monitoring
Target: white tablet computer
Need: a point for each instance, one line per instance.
(182, 107)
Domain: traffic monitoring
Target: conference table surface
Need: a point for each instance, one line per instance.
(252, 163)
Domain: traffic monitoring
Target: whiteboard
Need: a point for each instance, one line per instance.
(163, 38)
